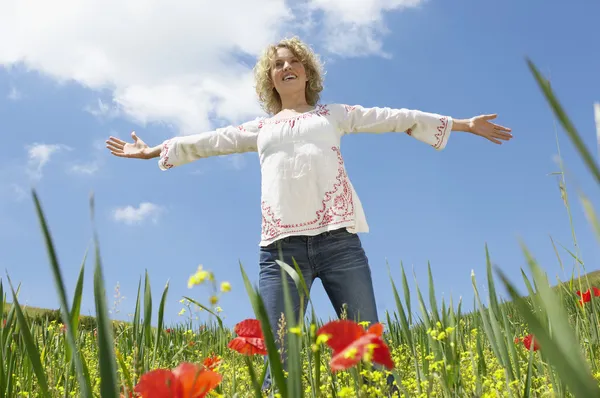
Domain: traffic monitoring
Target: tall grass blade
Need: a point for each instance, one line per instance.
(565, 121)
(86, 390)
(253, 378)
(76, 306)
(159, 326)
(432, 298)
(30, 346)
(106, 355)
(147, 315)
(406, 290)
(261, 314)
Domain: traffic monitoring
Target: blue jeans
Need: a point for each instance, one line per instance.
(337, 258)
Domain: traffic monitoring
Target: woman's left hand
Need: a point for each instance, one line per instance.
(481, 126)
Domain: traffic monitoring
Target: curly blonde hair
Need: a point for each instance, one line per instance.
(267, 95)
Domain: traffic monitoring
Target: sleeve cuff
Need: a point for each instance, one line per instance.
(165, 154)
(443, 132)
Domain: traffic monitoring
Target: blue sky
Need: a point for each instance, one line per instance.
(460, 59)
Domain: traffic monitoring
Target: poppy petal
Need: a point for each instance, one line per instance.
(596, 291)
(342, 333)
(527, 340)
(347, 358)
(212, 362)
(196, 382)
(381, 354)
(376, 329)
(248, 328)
(248, 345)
(356, 351)
(159, 383)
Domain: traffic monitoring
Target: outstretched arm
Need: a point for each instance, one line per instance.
(431, 128)
(184, 149)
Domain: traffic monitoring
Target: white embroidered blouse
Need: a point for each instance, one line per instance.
(304, 187)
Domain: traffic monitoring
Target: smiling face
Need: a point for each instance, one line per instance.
(292, 60)
(287, 73)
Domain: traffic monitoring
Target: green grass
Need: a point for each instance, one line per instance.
(446, 350)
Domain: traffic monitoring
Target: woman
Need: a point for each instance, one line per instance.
(310, 211)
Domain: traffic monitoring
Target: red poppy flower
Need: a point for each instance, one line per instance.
(212, 362)
(185, 381)
(587, 296)
(351, 343)
(250, 338)
(527, 340)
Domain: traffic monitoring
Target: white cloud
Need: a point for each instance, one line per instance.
(356, 27)
(39, 155)
(131, 215)
(177, 64)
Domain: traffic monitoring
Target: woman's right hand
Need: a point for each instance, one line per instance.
(138, 149)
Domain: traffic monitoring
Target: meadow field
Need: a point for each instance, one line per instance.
(544, 344)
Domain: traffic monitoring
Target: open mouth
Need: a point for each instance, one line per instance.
(291, 76)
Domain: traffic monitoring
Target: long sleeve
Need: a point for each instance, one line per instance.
(430, 128)
(178, 151)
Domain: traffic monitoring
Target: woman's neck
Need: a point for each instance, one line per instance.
(294, 102)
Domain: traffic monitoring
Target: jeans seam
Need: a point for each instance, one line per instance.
(310, 254)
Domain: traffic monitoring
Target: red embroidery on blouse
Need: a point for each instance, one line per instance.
(409, 131)
(441, 131)
(337, 207)
(164, 158)
(349, 108)
(320, 110)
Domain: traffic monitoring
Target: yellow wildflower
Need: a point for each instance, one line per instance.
(323, 338)
(225, 287)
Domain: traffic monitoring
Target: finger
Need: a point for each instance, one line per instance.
(495, 141)
(114, 147)
(116, 140)
(490, 116)
(504, 136)
(134, 136)
(498, 127)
